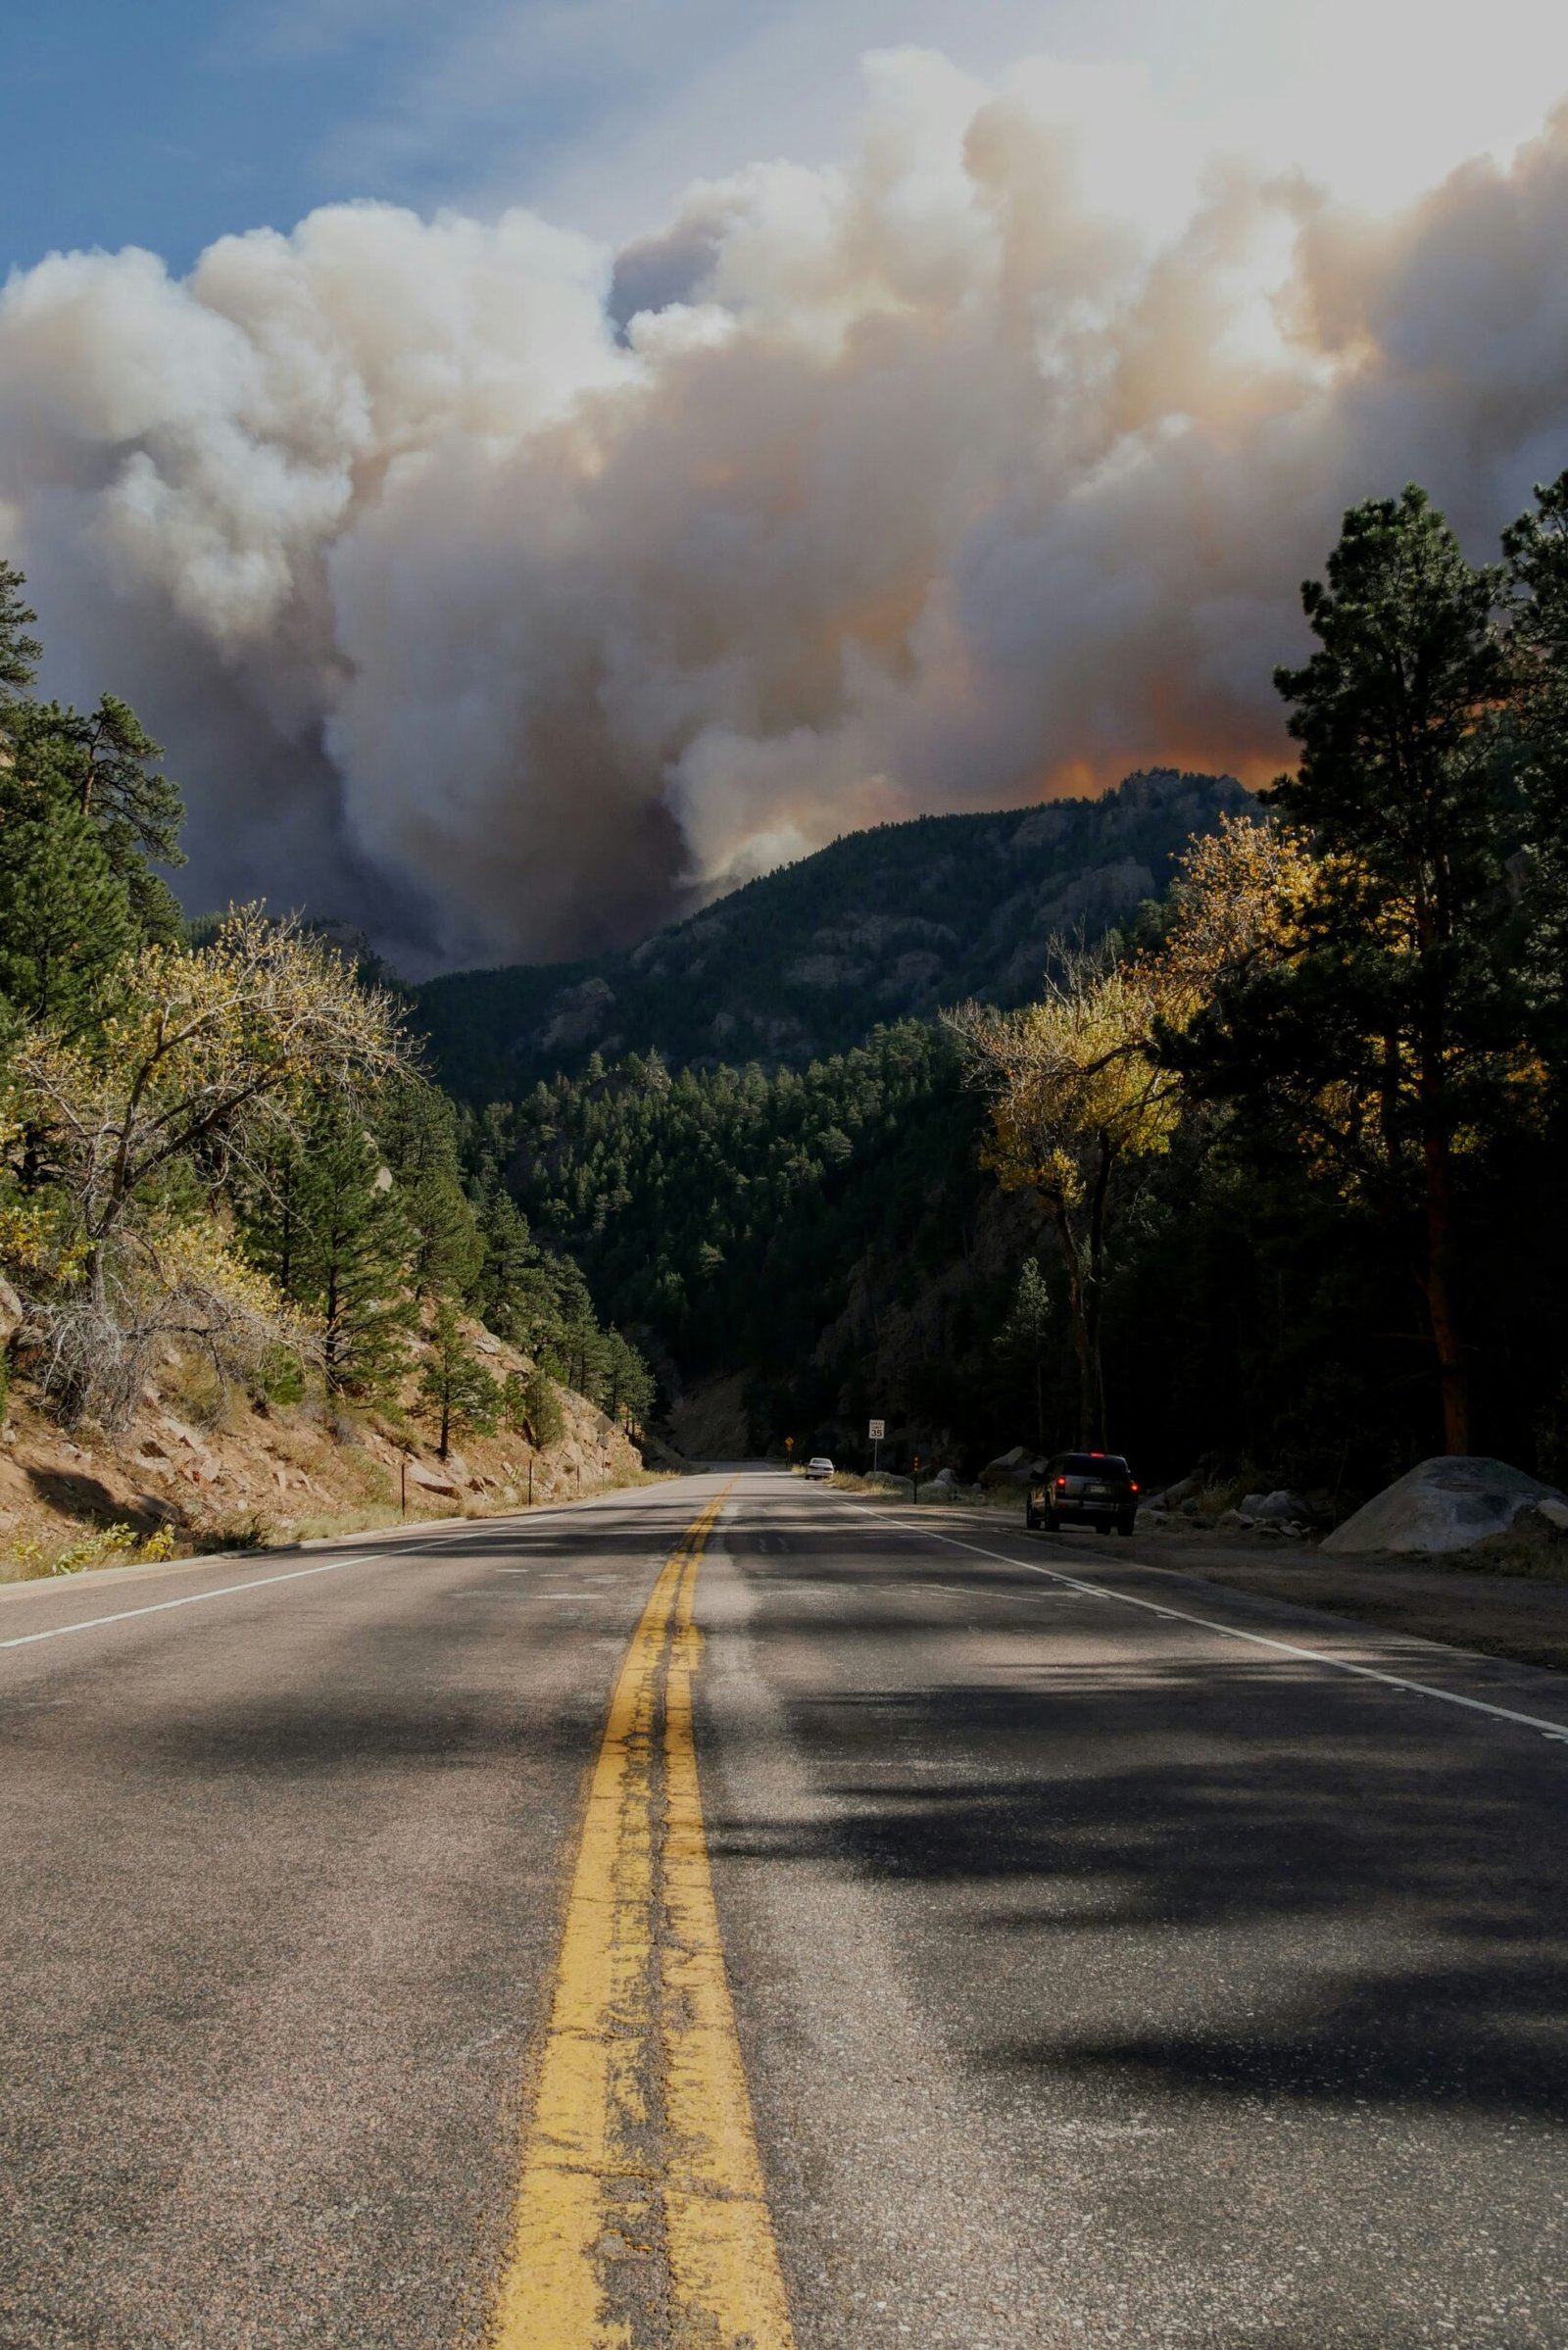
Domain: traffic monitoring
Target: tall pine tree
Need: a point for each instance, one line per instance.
(325, 1219)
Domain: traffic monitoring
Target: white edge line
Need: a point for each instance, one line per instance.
(228, 1590)
(1233, 1632)
(58, 1631)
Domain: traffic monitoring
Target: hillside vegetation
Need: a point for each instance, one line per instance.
(1206, 1127)
(228, 1197)
(1272, 1175)
(881, 926)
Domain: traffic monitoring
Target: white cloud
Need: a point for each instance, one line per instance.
(979, 465)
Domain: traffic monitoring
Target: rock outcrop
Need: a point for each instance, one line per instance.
(1448, 1503)
(1015, 1467)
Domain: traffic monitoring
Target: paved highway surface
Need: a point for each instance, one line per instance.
(1111, 1960)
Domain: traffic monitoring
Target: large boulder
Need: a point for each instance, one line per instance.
(1448, 1503)
(437, 1479)
(1016, 1467)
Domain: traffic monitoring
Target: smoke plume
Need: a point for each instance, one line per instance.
(509, 597)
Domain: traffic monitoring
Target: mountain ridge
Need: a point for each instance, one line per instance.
(880, 926)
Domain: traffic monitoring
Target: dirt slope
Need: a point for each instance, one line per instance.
(196, 1472)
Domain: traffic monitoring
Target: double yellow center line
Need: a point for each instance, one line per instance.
(641, 2218)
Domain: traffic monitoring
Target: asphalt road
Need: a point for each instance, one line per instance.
(1112, 1966)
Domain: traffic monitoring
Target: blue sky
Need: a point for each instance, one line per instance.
(168, 122)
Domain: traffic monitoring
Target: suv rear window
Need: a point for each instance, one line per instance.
(1092, 1464)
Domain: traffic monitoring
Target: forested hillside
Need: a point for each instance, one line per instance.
(227, 1193)
(1273, 1177)
(1270, 1172)
(728, 1214)
(880, 927)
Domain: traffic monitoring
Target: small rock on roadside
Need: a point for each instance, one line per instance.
(1280, 1507)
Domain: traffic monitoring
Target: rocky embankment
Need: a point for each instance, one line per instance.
(199, 1471)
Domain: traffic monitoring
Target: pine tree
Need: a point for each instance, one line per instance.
(1027, 1335)
(453, 1383)
(512, 1291)
(104, 768)
(67, 923)
(20, 653)
(325, 1219)
(1536, 551)
(1386, 1043)
(1398, 787)
(82, 809)
(533, 1402)
(417, 1129)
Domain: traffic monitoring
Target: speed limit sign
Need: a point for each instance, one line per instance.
(877, 1429)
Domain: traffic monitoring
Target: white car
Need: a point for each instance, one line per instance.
(819, 1465)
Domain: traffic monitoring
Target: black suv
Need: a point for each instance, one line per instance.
(1085, 1489)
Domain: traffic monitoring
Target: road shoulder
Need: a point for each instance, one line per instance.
(1520, 1619)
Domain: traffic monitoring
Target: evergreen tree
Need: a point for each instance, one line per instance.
(511, 1293)
(1027, 1335)
(67, 923)
(418, 1131)
(1536, 552)
(533, 1402)
(20, 653)
(325, 1220)
(1392, 1030)
(627, 1386)
(104, 768)
(453, 1383)
(82, 808)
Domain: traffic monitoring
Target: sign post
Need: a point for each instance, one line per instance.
(914, 1478)
(879, 1430)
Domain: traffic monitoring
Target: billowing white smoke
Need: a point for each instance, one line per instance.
(508, 599)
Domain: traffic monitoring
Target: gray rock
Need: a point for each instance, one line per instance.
(1554, 1512)
(1446, 1503)
(1015, 1467)
(1277, 1508)
(13, 1313)
(432, 1480)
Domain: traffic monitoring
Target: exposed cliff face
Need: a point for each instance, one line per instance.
(246, 1475)
(883, 925)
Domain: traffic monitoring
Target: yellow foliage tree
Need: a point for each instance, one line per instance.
(133, 1128)
(1079, 1092)
(1239, 900)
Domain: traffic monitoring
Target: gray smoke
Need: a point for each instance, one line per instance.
(509, 597)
